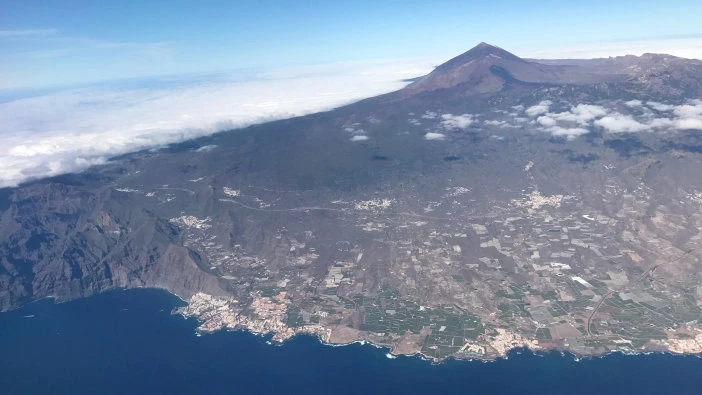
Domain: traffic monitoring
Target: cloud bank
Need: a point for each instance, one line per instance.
(70, 130)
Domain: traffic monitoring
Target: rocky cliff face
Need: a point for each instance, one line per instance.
(67, 241)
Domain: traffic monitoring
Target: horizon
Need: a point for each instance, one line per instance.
(75, 42)
(639, 48)
(426, 65)
(82, 82)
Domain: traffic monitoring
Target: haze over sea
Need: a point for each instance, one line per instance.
(129, 342)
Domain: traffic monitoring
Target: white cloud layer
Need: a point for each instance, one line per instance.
(70, 130)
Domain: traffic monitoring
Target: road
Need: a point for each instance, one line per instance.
(639, 279)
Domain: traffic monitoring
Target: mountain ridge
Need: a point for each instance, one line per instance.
(483, 68)
(487, 68)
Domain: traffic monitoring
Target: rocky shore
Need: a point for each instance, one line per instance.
(266, 316)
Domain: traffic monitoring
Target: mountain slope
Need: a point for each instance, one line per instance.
(496, 202)
(486, 68)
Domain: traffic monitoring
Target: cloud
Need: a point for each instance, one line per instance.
(568, 133)
(501, 124)
(579, 118)
(353, 130)
(581, 114)
(25, 33)
(359, 137)
(569, 124)
(434, 136)
(588, 111)
(539, 109)
(618, 123)
(48, 53)
(686, 116)
(691, 110)
(456, 121)
(612, 117)
(661, 123)
(687, 47)
(546, 120)
(689, 115)
(70, 130)
(660, 106)
(689, 124)
(206, 148)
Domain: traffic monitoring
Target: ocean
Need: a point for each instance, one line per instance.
(128, 342)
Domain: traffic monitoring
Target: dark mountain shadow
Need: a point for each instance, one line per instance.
(628, 146)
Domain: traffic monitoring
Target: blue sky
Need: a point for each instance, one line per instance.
(66, 42)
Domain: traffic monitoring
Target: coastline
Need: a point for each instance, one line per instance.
(129, 342)
(540, 352)
(275, 339)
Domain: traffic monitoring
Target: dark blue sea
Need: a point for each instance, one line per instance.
(127, 342)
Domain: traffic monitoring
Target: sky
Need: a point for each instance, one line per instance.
(82, 80)
(74, 41)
